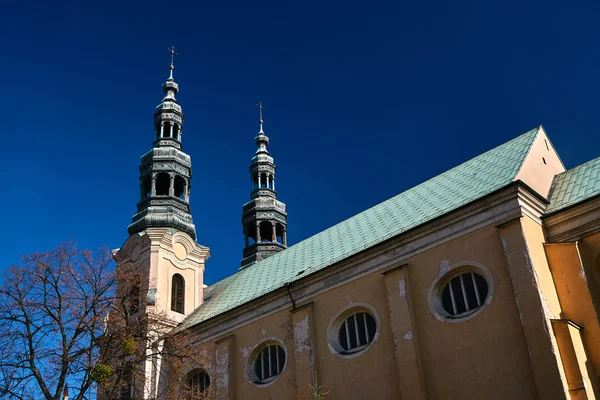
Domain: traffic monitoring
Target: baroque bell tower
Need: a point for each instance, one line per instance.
(264, 218)
(162, 247)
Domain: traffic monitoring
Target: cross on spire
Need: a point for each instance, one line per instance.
(260, 110)
(173, 54)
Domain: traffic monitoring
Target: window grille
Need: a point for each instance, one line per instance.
(199, 383)
(177, 294)
(269, 363)
(464, 294)
(356, 332)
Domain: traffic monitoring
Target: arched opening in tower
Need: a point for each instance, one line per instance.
(146, 187)
(179, 187)
(266, 231)
(175, 131)
(166, 130)
(251, 232)
(263, 181)
(279, 232)
(162, 184)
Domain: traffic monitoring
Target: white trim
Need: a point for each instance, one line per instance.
(253, 355)
(340, 318)
(434, 295)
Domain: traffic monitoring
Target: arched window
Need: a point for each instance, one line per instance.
(163, 181)
(263, 181)
(179, 187)
(198, 384)
(178, 294)
(279, 233)
(175, 131)
(166, 130)
(266, 231)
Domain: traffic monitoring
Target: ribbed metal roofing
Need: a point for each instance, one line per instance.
(452, 189)
(574, 186)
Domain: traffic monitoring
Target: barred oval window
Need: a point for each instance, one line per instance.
(464, 294)
(198, 384)
(269, 363)
(357, 332)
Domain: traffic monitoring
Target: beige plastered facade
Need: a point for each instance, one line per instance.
(536, 336)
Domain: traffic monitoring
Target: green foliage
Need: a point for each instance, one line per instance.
(128, 346)
(101, 372)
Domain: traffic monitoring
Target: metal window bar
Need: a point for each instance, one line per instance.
(262, 366)
(269, 361)
(476, 290)
(347, 334)
(366, 328)
(277, 356)
(451, 290)
(464, 292)
(356, 330)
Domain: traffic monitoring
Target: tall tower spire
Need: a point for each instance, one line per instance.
(264, 218)
(166, 171)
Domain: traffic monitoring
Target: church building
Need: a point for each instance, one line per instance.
(480, 283)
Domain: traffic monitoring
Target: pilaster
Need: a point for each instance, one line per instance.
(409, 366)
(305, 371)
(224, 368)
(535, 300)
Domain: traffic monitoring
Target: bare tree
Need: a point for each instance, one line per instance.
(70, 321)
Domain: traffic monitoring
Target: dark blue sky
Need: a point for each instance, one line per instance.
(363, 100)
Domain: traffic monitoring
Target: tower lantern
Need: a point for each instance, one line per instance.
(264, 218)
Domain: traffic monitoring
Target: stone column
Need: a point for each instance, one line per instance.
(274, 235)
(305, 370)
(172, 186)
(409, 367)
(186, 192)
(153, 189)
(284, 237)
(171, 130)
(259, 181)
(162, 129)
(257, 232)
(224, 368)
(273, 178)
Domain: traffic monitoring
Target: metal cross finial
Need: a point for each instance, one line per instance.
(260, 110)
(173, 54)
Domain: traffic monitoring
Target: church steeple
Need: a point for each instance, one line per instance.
(165, 171)
(264, 218)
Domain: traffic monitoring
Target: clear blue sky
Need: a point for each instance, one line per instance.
(363, 100)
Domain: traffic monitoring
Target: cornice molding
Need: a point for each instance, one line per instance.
(510, 202)
(574, 223)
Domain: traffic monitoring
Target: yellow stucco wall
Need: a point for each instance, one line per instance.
(482, 357)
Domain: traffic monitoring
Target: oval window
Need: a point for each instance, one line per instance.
(198, 384)
(464, 294)
(269, 363)
(356, 332)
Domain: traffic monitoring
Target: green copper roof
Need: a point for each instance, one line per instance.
(452, 189)
(574, 186)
